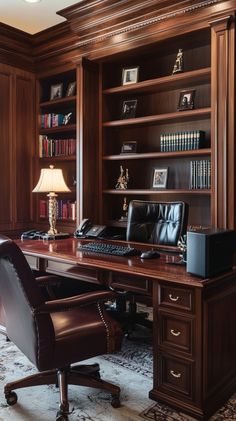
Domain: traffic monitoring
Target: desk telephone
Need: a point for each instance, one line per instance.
(87, 229)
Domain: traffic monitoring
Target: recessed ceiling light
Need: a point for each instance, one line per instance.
(32, 1)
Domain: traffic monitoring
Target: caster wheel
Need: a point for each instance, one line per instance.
(11, 398)
(115, 401)
(62, 417)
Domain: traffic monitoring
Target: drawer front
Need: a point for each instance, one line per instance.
(175, 297)
(176, 332)
(33, 262)
(176, 375)
(74, 271)
(130, 283)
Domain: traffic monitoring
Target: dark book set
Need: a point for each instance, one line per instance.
(200, 174)
(49, 147)
(182, 141)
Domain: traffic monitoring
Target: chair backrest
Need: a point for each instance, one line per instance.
(20, 296)
(156, 222)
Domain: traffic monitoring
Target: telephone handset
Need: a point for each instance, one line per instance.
(87, 229)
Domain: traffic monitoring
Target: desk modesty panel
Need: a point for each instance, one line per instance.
(194, 341)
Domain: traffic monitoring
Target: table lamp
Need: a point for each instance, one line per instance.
(51, 181)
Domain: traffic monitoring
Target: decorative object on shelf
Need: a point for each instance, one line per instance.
(71, 89)
(51, 181)
(159, 179)
(186, 100)
(129, 147)
(129, 109)
(67, 118)
(56, 91)
(129, 75)
(122, 182)
(182, 244)
(125, 206)
(179, 63)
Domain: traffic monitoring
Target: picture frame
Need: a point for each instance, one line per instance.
(56, 91)
(71, 88)
(129, 147)
(129, 108)
(129, 75)
(186, 100)
(159, 178)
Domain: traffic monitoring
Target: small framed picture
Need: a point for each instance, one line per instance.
(129, 75)
(129, 147)
(71, 89)
(186, 100)
(129, 109)
(159, 179)
(56, 91)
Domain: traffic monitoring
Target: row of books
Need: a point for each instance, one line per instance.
(56, 147)
(182, 141)
(51, 120)
(200, 174)
(66, 209)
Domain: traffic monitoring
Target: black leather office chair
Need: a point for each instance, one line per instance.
(161, 223)
(54, 334)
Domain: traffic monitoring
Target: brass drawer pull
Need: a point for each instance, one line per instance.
(173, 298)
(176, 375)
(175, 333)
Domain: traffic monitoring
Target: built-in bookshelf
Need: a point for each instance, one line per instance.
(57, 141)
(168, 138)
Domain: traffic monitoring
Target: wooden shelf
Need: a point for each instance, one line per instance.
(58, 158)
(160, 155)
(59, 129)
(60, 101)
(149, 192)
(152, 119)
(164, 83)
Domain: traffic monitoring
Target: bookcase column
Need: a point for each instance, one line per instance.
(222, 127)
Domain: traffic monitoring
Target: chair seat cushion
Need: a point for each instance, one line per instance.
(83, 333)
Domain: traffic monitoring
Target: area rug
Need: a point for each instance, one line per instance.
(131, 369)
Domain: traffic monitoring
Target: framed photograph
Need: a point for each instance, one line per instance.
(129, 75)
(159, 179)
(71, 89)
(56, 91)
(129, 147)
(129, 109)
(186, 100)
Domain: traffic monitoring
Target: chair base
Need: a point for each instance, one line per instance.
(81, 375)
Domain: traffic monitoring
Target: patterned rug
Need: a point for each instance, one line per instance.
(131, 369)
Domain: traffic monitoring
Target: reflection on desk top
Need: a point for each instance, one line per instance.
(67, 251)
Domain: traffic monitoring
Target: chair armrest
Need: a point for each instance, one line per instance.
(47, 280)
(75, 301)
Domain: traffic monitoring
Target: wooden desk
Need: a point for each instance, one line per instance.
(194, 337)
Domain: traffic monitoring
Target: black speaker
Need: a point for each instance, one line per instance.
(210, 251)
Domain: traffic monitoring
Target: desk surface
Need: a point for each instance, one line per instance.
(67, 251)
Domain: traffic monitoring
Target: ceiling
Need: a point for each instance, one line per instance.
(33, 17)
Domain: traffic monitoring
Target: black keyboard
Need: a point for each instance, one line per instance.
(109, 249)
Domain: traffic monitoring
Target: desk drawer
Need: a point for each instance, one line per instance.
(75, 271)
(176, 375)
(176, 332)
(130, 283)
(175, 297)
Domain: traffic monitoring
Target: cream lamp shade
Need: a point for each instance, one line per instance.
(51, 180)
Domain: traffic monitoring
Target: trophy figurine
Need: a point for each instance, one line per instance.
(122, 182)
(125, 210)
(179, 62)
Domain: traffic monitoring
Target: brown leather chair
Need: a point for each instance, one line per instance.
(54, 334)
